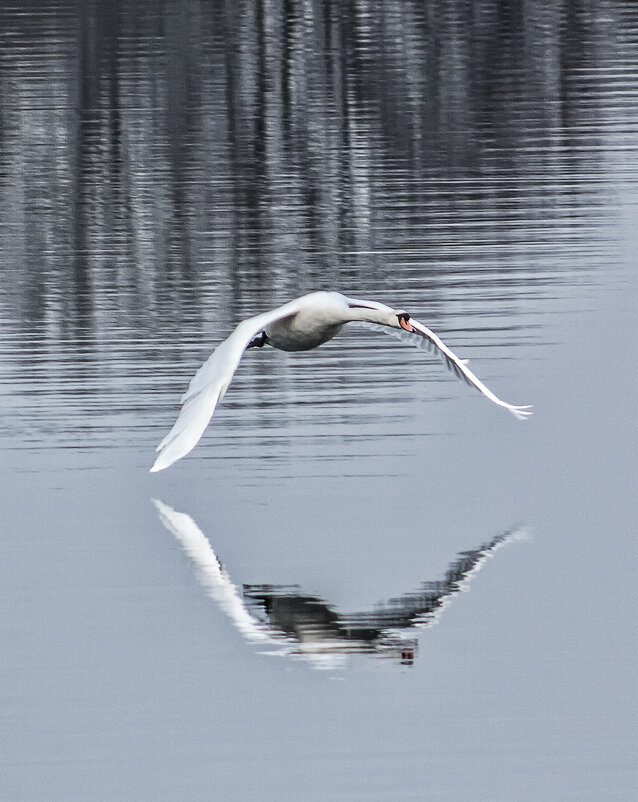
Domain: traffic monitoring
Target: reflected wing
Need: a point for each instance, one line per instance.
(423, 337)
(424, 608)
(210, 572)
(209, 385)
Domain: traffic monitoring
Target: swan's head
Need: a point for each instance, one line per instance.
(403, 320)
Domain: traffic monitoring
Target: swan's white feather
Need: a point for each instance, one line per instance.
(209, 384)
(425, 338)
(460, 369)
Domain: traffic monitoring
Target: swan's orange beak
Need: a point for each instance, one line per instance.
(405, 323)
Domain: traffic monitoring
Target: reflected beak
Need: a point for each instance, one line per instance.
(405, 324)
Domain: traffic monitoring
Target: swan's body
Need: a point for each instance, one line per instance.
(319, 318)
(299, 325)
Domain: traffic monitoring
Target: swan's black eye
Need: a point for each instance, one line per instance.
(404, 317)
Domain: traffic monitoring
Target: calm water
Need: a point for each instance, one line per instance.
(284, 613)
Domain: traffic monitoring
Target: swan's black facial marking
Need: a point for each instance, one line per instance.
(404, 321)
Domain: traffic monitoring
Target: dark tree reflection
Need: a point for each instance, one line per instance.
(159, 157)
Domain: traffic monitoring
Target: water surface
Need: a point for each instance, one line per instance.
(169, 169)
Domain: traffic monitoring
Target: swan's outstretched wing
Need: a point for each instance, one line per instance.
(209, 385)
(423, 337)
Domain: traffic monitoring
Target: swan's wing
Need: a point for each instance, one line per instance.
(459, 367)
(209, 385)
(423, 337)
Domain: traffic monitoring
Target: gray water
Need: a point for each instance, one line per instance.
(366, 582)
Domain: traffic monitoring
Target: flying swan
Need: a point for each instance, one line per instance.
(299, 325)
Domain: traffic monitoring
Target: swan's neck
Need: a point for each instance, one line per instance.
(383, 318)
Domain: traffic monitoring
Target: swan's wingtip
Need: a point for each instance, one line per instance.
(157, 466)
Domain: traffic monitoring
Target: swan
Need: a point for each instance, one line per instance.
(298, 325)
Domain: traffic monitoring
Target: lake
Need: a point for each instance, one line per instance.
(366, 582)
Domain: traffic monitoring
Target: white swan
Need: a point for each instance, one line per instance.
(299, 325)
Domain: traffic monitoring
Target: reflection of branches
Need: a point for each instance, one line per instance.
(253, 132)
(304, 625)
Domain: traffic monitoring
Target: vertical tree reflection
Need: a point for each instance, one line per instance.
(162, 157)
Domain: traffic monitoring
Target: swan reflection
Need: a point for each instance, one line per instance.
(303, 625)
